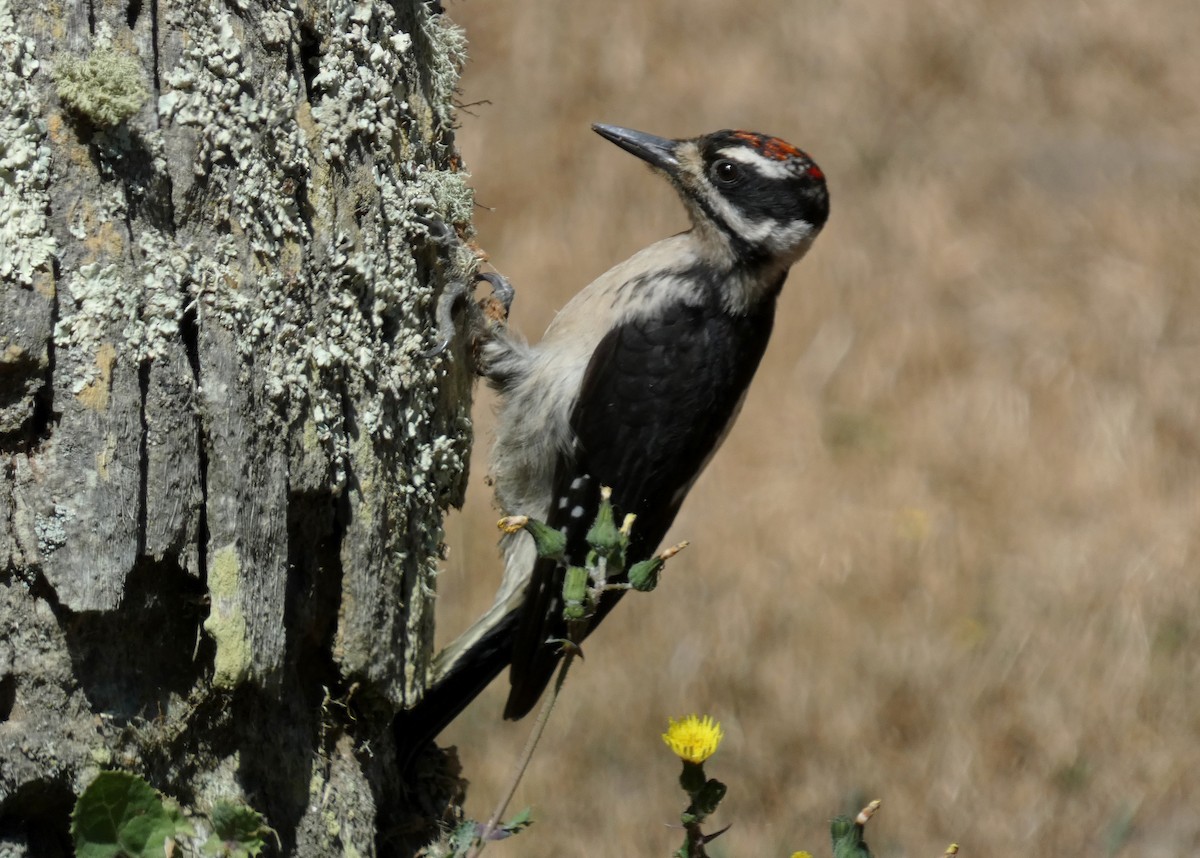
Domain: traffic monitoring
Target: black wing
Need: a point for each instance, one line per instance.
(657, 398)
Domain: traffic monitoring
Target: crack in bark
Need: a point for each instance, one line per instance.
(42, 809)
(155, 49)
(143, 456)
(309, 60)
(8, 695)
(189, 332)
(37, 428)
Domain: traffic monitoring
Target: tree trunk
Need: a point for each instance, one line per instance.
(224, 455)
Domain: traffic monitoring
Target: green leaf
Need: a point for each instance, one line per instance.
(238, 831)
(183, 825)
(520, 822)
(120, 815)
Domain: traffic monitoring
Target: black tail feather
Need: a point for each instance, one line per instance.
(444, 701)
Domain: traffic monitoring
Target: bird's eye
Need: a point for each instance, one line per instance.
(727, 172)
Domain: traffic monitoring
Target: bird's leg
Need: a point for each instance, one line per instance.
(493, 348)
(486, 319)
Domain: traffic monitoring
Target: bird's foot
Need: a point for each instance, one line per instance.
(487, 318)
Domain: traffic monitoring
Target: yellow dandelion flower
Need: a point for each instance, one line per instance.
(693, 738)
(801, 855)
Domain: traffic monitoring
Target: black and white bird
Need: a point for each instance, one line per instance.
(635, 385)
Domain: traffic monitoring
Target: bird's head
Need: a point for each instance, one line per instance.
(759, 200)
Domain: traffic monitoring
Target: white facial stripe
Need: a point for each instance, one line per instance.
(755, 232)
(776, 236)
(764, 166)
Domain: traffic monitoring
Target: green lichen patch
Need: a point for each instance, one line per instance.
(107, 87)
(226, 623)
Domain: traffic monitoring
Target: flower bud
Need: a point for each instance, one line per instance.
(575, 593)
(549, 543)
(644, 575)
(603, 536)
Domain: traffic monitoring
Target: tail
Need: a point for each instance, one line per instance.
(462, 671)
(468, 665)
(534, 658)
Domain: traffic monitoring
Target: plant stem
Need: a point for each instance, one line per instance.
(535, 736)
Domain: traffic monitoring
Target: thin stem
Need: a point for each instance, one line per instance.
(695, 841)
(535, 736)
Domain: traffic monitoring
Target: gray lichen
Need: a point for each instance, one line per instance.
(236, 327)
(101, 301)
(357, 101)
(51, 535)
(326, 181)
(448, 52)
(254, 158)
(26, 244)
(213, 91)
(360, 79)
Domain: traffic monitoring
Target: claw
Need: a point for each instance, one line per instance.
(501, 288)
(443, 235)
(439, 231)
(451, 295)
(494, 308)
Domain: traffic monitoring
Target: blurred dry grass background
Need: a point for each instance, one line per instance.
(948, 557)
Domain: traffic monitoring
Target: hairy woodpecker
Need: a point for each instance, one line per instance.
(634, 386)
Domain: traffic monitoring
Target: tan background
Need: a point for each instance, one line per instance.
(948, 557)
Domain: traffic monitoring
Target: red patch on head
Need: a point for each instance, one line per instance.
(770, 147)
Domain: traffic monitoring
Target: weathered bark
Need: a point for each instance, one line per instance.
(224, 456)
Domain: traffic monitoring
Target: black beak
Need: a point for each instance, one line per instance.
(656, 151)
